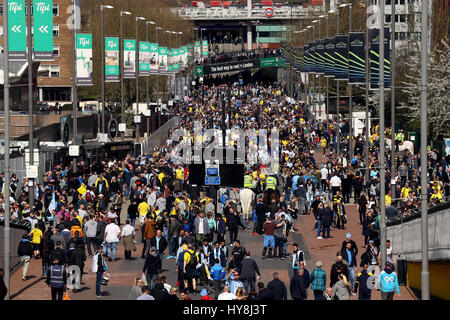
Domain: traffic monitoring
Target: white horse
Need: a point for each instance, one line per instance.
(406, 145)
(246, 196)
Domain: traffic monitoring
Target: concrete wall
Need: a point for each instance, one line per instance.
(406, 238)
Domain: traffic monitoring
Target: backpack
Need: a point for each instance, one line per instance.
(194, 261)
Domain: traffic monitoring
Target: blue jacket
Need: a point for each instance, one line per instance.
(221, 226)
(217, 272)
(388, 282)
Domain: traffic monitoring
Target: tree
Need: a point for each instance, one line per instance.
(438, 88)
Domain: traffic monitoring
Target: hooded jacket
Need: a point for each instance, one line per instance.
(159, 292)
(388, 281)
(25, 248)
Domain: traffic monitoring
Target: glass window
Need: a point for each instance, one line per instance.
(403, 18)
(56, 30)
(54, 71)
(56, 51)
(388, 2)
(388, 18)
(56, 10)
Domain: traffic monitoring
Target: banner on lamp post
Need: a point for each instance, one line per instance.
(341, 57)
(176, 59)
(320, 58)
(84, 59)
(17, 40)
(375, 58)
(356, 58)
(129, 58)
(307, 59)
(205, 48)
(154, 58)
(163, 60)
(312, 57)
(112, 59)
(43, 30)
(329, 57)
(197, 49)
(144, 58)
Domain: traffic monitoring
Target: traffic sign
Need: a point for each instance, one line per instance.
(43, 30)
(212, 181)
(17, 42)
(212, 171)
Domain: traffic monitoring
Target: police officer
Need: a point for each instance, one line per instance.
(248, 180)
(271, 183)
(56, 279)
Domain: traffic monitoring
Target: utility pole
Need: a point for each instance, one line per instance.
(393, 162)
(74, 84)
(30, 103)
(102, 32)
(137, 77)
(148, 76)
(382, 142)
(6, 183)
(121, 53)
(423, 149)
(338, 148)
(366, 143)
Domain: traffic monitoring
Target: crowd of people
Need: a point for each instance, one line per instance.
(78, 217)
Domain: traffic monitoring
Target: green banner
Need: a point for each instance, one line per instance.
(144, 58)
(199, 71)
(17, 41)
(163, 60)
(154, 58)
(129, 59)
(267, 62)
(205, 48)
(43, 30)
(84, 59)
(176, 59)
(112, 59)
(198, 49)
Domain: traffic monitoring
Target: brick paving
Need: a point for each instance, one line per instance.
(123, 272)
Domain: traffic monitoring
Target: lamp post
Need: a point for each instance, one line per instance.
(102, 35)
(317, 100)
(366, 142)
(137, 75)
(74, 83)
(393, 163)
(350, 142)
(338, 147)
(157, 80)
(312, 95)
(30, 103)
(122, 119)
(169, 87)
(326, 78)
(148, 104)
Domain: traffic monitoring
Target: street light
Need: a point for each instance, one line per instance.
(350, 143)
(122, 119)
(157, 78)
(147, 23)
(137, 74)
(102, 7)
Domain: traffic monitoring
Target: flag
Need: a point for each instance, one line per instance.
(52, 205)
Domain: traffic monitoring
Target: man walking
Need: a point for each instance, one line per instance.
(388, 282)
(248, 271)
(98, 266)
(201, 228)
(56, 279)
(112, 233)
(277, 287)
(90, 230)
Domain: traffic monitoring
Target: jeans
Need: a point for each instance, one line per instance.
(318, 295)
(98, 283)
(327, 230)
(269, 241)
(248, 283)
(172, 245)
(26, 265)
(279, 243)
(233, 234)
(57, 292)
(301, 205)
(351, 275)
(387, 295)
(151, 279)
(111, 246)
(364, 296)
(217, 285)
(89, 241)
(288, 195)
(133, 221)
(319, 226)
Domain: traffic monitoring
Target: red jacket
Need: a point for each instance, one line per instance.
(206, 298)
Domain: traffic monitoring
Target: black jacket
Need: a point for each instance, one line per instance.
(346, 258)
(297, 288)
(265, 295)
(159, 292)
(336, 268)
(361, 282)
(237, 255)
(278, 289)
(248, 269)
(78, 257)
(162, 244)
(152, 264)
(25, 248)
(354, 247)
(326, 217)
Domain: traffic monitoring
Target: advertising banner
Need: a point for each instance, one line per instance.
(112, 59)
(170, 61)
(312, 57)
(43, 30)
(190, 51)
(205, 48)
(320, 58)
(356, 58)
(84, 59)
(341, 57)
(129, 58)
(375, 58)
(329, 57)
(144, 58)
(306, 58)
(17, 41)
(176, 59)
(198, 49)
(163, 60)
(183, 58)
(154, 58)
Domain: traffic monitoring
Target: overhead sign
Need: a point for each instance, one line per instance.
(268, 12)
(17, 41)
(74, 151)
(43, 30)
(129, 54)
(112, 59)
(84, 59)
(375, 58)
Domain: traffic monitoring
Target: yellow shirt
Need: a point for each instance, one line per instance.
(161, 176)
(143, 208)
(387, 200)
(36, 233)
(323, 142)
(179, 173)
(405, 192)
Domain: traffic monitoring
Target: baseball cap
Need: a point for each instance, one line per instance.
(203, 292)
(348, 235)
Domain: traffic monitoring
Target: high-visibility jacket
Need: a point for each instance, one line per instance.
(271, 183)
(248, 181)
